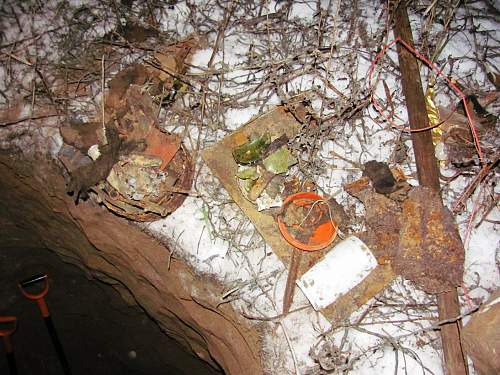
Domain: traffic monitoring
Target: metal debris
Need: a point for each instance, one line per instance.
(431, 253)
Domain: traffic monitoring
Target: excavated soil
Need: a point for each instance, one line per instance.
(101, 334)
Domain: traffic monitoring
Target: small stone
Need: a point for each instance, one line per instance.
(381, 176)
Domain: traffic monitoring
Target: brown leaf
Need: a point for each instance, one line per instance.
(81, 135)
(134, 74)
(135, 33)
(162, 145)
(171, 58)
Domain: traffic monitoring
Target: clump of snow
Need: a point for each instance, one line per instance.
(238, 117)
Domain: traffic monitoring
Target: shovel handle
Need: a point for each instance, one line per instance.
(11, 321)
(11, 360)
(5, 333)
(38, 297)
(57, 345)
(33, 280)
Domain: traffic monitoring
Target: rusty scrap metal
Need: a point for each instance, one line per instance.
(428, 175)
(293, 271)
(431, 252)
(383, 218)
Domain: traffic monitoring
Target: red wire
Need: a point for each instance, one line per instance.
(439, 72)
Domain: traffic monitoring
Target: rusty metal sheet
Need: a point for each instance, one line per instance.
(431, 251)
(219, 159)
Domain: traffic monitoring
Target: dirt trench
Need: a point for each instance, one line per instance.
(35, 211)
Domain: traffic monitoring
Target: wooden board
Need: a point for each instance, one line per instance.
(220, 160)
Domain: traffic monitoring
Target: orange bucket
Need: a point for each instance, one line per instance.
(322, 235)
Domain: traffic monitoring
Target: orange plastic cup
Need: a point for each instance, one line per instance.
(323, 234)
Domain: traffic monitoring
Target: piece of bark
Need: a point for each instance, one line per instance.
(481, 337)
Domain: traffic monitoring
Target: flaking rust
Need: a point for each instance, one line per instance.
(383, 219)
(431, 253)
(418, 237)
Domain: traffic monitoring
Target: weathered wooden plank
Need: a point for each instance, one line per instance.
(219, 159)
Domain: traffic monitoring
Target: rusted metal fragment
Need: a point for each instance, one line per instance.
(481, 337)
(161, 194)
(431, 252)
(373, 284)
(382, 218)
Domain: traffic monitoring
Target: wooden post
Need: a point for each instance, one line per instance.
(428, 175)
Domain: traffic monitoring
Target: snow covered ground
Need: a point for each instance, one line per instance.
(267, 53)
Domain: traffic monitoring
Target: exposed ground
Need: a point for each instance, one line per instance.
(101, 334)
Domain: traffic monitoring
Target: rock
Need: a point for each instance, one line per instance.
(381, 177)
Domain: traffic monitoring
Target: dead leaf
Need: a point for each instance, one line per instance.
(171, 59)
(162, 145)
(81, 135)
(136, 115)
(135, 33)
(135, 74)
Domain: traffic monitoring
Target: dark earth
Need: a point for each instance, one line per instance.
(100, 332)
